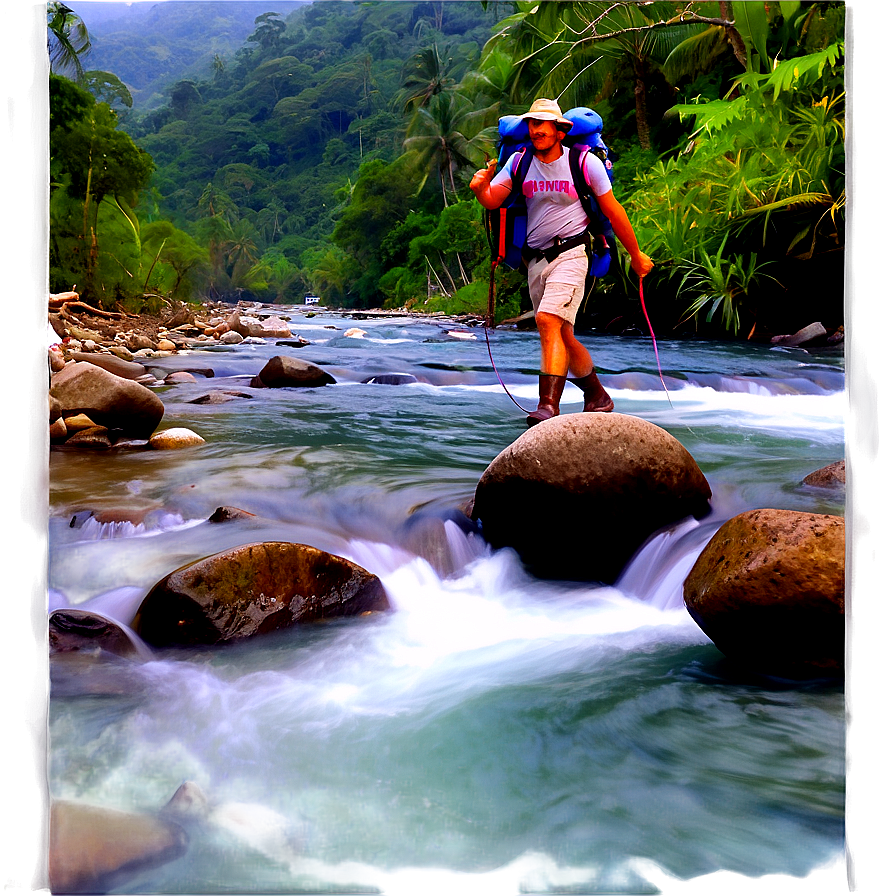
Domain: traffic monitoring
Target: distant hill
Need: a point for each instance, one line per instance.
(151, 46)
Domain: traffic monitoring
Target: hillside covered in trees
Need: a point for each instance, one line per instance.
(331, 153)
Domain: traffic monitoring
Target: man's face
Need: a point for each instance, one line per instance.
(544, 134)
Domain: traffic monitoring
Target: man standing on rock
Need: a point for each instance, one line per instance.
(556, 218)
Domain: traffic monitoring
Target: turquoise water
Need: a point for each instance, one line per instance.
(496, 733)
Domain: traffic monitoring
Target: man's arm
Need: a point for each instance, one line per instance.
(481, 185)
(609, 205)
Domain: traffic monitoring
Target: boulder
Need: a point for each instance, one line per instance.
(128, 370)
(269, 328)
(109, 400)
(769, 591)
(831, 476)
(285, 371)
(93, 850)
(166, 345)
(236, 324)
(94, 437)
(253, 589)
(55, 408)
(801, 337)
(179, 376)
(80, 630)
(577, 495)
(178, 437)
(297, 342)
(231, 337)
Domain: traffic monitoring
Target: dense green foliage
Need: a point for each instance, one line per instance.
(331, 154)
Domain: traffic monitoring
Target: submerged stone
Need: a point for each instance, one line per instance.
(93, 850)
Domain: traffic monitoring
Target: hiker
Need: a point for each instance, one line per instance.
(556, 219)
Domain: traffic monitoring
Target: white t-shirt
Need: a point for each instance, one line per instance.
(552, 203)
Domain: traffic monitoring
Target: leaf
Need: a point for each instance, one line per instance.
(752, 23)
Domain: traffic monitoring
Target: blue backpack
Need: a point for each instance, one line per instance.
(507, 225)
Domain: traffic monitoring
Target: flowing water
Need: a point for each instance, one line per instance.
(499, 732)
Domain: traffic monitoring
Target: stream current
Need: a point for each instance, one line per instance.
(499, 732)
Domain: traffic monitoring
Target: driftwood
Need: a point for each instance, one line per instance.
(63, 301)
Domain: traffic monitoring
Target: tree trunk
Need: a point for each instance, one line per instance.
(732, 34)
(641, 104)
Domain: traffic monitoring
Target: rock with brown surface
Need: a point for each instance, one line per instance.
(171, 439)
(81, 630)
(769, 591)
(253, 589)
(128, 370)
(109, 400)
(577, 495)
(93, 850)
(283, 371)
(831, 476)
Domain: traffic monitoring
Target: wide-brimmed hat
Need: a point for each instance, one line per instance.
(548, 110)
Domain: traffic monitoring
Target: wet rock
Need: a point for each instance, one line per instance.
(293, 343)
(831, 476)
(227, 514)
(577, 495)
(801, 337)
(171, 439)
(83, 631)
(93, 437)
(283, 371)
(218, 397)
(128, 370)
(93, 849)
(391, 379)
(110, 400)
(179, 376)
(166, 345)
(253, 589)
(769, 591)
(231, 337)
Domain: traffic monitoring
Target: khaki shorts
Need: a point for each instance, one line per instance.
(558, 286)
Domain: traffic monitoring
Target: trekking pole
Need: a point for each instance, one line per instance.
(490, 322)
(650, 327)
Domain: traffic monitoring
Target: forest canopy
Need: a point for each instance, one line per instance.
(331, 154)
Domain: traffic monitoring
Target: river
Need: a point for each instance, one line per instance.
(498, 732)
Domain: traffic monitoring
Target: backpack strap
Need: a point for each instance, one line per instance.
(519, 171)
(583, 189)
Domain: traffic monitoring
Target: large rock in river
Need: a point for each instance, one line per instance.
(109, 400)
(578, 494)
(93, 850)
(282, 370)
(252, 589)
(769, 590)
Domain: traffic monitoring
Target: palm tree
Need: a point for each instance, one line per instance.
(578, 49)
(427, 75)
(437, 137)
(67, 41)
(242, 251)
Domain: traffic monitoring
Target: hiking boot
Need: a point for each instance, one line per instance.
(550, 388)
(596, 397)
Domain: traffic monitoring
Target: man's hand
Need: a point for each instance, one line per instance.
(483, 177)
(641, 264)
